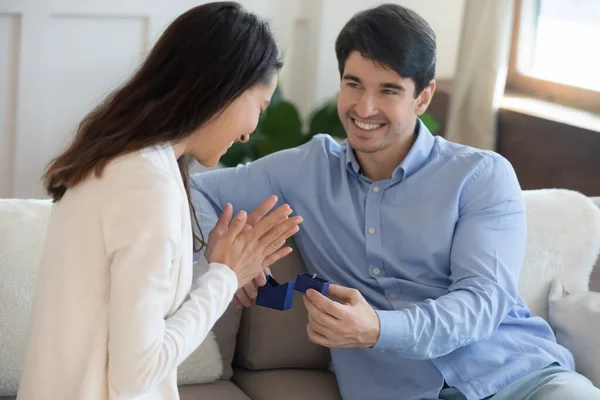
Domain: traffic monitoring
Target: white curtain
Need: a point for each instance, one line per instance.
(480, 77)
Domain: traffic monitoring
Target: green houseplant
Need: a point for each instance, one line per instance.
(280, 127)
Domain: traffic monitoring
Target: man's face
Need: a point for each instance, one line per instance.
(376, 106)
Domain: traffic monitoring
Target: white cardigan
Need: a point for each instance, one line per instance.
(114, 311)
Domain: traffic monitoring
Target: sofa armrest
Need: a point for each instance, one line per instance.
(595, 278)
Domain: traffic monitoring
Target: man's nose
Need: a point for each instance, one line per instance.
(366, 106)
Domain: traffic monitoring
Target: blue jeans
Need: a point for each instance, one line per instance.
(551, 383)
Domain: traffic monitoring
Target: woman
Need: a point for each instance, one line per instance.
(115, 310)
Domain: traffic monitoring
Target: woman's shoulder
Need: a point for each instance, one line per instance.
(153, 168)
(149, 159)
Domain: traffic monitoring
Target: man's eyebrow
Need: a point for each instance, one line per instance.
(385, 85)
(391, 85)
(354, 78)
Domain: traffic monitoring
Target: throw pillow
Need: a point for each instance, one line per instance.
(563, 238)
(22, 232)
(575, 319)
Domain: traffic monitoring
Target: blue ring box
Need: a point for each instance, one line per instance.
(306, 281)
(275, 295)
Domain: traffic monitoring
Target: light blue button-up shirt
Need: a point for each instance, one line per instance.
(436, 250)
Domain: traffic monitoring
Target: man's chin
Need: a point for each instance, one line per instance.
(363, 145)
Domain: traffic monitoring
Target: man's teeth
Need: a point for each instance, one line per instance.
(367, 127)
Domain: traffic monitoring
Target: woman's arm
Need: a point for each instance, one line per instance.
(142, 223)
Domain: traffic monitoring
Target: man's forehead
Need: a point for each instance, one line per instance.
(371, 71)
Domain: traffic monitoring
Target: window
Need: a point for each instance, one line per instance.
(555, 51)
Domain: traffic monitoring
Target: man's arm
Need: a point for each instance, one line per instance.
(487, 251)
(245, 186)
(485, 260)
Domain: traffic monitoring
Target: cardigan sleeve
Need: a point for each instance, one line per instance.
(142, 228)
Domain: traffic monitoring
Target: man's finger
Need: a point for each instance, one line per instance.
(328, 306)
(345, 294)
(317, 314)
(316, 337)
(321, 329)
(262, 210)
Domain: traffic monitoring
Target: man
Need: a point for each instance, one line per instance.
(423, 238)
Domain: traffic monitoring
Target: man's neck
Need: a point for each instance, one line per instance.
(381, 164)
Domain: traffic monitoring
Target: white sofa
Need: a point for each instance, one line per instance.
(264, 354)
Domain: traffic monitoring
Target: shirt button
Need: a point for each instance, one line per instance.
(393, 296)
(376, 271)
(429, 354)
(371, 230)
(376, 189)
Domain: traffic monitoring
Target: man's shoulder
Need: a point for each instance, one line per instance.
(477, 171)
(469, 159)
(320, 147)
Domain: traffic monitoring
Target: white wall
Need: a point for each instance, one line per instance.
(60, 57)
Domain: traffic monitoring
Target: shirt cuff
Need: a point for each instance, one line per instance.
(394, 331)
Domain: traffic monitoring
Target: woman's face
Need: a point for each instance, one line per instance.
(235, 123)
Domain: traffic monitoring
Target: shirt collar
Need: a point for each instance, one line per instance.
(417, 155)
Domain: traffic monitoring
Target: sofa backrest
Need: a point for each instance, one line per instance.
(270, 339)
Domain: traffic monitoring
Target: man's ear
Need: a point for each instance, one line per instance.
(424, 98)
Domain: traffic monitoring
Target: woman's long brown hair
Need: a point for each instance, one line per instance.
(204, 60)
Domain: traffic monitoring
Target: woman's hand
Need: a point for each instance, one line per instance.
(248, 244)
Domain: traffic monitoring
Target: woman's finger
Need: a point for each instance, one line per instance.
(235, 227)
(224, 220)
(243, 298)
(276, 237)
(276, 256)
(267, 223)
(251, 290)
(262, 210)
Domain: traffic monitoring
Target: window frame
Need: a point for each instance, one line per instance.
(517, 82)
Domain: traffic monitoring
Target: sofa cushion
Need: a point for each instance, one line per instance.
(563, 240)
(289, 384)
(216, 390)
(270, 338)
(220, 389)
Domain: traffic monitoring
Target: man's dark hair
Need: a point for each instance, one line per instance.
(394, 37)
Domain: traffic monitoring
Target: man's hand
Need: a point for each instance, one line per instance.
(351, 323)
